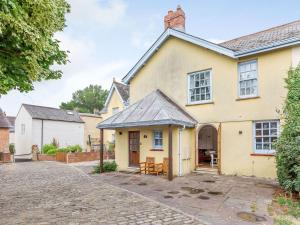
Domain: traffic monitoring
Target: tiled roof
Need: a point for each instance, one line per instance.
(4, 123)
(154, 109)
(48, 113)
(11, 120)
(283, 33)
(123, 90)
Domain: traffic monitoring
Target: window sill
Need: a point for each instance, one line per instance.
(261, 154)
(156, 150)
(199, 103)
(247, 98)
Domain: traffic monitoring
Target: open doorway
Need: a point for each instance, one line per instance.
(208, 146)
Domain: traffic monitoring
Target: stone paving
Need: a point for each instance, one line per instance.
(214, 199)
(55, 193)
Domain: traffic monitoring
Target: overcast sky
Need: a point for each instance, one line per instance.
(107, 37)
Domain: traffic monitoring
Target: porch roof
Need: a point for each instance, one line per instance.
(154, 109)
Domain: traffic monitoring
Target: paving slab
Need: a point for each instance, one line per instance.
(211, 198)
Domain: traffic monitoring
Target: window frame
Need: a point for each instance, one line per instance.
(153, 139)
(239, 80)
(189, 102)
(22, 128)
(262, 151)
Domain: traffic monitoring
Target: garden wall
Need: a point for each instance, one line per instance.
(82, 156)
(5, 157)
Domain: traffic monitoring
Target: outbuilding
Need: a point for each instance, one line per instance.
(39, 125)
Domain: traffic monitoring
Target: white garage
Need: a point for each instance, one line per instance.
(38, 125)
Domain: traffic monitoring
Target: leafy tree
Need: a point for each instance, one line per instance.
(87, 100)
(288, 145)
(27, 46)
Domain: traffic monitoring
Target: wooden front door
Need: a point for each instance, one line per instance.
(134, 148)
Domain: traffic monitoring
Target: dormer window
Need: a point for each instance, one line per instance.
(200, 86)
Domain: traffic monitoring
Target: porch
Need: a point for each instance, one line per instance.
(153, 127)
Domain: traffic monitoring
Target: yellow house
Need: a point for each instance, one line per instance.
(91, 133)
(206, 105)
(116, 101)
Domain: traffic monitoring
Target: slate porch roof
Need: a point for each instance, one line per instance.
(11, 120)
(154, 109)
(48, 113)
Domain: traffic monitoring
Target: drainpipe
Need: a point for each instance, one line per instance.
(42, 136)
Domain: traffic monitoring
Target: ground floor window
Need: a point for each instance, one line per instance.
(265, 134)
(157, 139)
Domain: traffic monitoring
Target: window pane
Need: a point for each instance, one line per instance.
(258, 132)
(273, 124)
(257, 125)
(258, 146)
(266, 132)
(266, 146)
(258, 140)
(265, 125)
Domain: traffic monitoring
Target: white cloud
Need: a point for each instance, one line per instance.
(87, 12)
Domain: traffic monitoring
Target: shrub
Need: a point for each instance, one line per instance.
(47, 147)
(71, 148)
(111, 146)
(107, 167)
(288, 144)
(52, 151)
(11, 148)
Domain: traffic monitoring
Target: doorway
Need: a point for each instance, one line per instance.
(134, 148)
(208, 146)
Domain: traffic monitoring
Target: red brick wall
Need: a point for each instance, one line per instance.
(44, 157)
(4, 140)
(82, 156)
(5, 157)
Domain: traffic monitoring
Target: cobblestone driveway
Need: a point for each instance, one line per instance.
(54, 193)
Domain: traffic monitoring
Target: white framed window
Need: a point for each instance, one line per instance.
(115, 110)
(265, 133)
(200, 87)
(22, 128)
(248, 85)
(157, 139)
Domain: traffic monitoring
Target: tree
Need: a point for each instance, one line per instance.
(28, 48)
(288, 144)
(87, 100)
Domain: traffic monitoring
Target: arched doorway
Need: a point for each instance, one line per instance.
(208, 146)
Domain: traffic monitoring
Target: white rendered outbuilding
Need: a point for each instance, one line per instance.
(38, 125)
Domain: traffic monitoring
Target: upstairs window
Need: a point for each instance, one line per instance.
(248, 79)
(265, 134)
(200, 87)
(157, 139)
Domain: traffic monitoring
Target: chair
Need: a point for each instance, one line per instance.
(155, 168)
(144, 166)
(165, 166)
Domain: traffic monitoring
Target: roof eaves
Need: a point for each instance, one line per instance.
(146, 123)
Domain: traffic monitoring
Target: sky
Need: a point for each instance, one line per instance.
(107, 37)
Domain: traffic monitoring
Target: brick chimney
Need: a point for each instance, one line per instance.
(175, 20)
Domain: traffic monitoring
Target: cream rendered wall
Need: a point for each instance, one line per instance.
(146, 148)
(115, 101)
(23, 141)
(295, 56)
(167, 70)
(90, 123)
